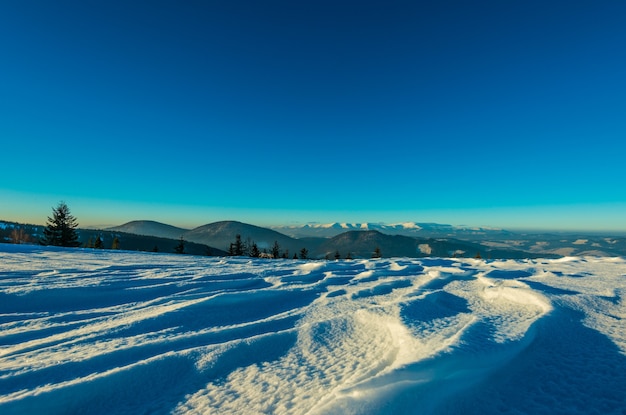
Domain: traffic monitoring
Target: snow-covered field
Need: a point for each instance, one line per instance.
(101, 332)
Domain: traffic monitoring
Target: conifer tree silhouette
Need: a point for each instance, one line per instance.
(61, 228)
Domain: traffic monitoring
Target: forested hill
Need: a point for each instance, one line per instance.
(13, 232)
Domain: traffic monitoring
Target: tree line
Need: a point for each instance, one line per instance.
(249, 248)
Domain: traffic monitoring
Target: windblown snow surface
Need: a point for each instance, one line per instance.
(101, 332)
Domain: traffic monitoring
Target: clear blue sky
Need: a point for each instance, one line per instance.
(494, 113)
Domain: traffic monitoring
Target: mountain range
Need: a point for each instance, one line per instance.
(222, 234)
(354, 243)
(573, 243)
(356, 240)
(413, 239)
(426, 230)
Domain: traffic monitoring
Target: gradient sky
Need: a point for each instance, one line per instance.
(494, 113)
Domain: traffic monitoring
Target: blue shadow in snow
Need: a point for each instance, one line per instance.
(548, 289)
(567, 369)
(336, 293)
(508, 275)
(152, 387)
(382, 289)
(439, 304)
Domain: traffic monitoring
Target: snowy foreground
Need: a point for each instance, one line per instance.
(101, 332)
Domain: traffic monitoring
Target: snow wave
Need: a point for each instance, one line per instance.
(111, 332)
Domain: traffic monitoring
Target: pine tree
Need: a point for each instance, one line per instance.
(304, 253)
(61, 228)
(180, 248)
(275, 250)
(337, 256)
(238, 251)
(116, 243)
(98, 244)
(254, 251)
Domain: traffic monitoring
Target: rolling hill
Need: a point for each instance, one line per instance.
(150, 228)
(222, 234)
(32, 234)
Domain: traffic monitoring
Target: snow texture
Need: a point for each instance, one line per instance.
(102, 332)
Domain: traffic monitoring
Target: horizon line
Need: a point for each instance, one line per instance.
(539, 229)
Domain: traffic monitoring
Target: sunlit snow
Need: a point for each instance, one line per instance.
(103, 332)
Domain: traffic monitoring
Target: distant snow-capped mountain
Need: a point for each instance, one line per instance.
(361, 226)
(329, 230)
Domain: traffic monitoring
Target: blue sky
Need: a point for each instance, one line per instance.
(508, 114)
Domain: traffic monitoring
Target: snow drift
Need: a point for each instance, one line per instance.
(103, 332)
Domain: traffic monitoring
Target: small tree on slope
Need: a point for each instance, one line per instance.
(304, 253)
(61, 228)
(180, 248)
(99, 244)
(275, 250)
